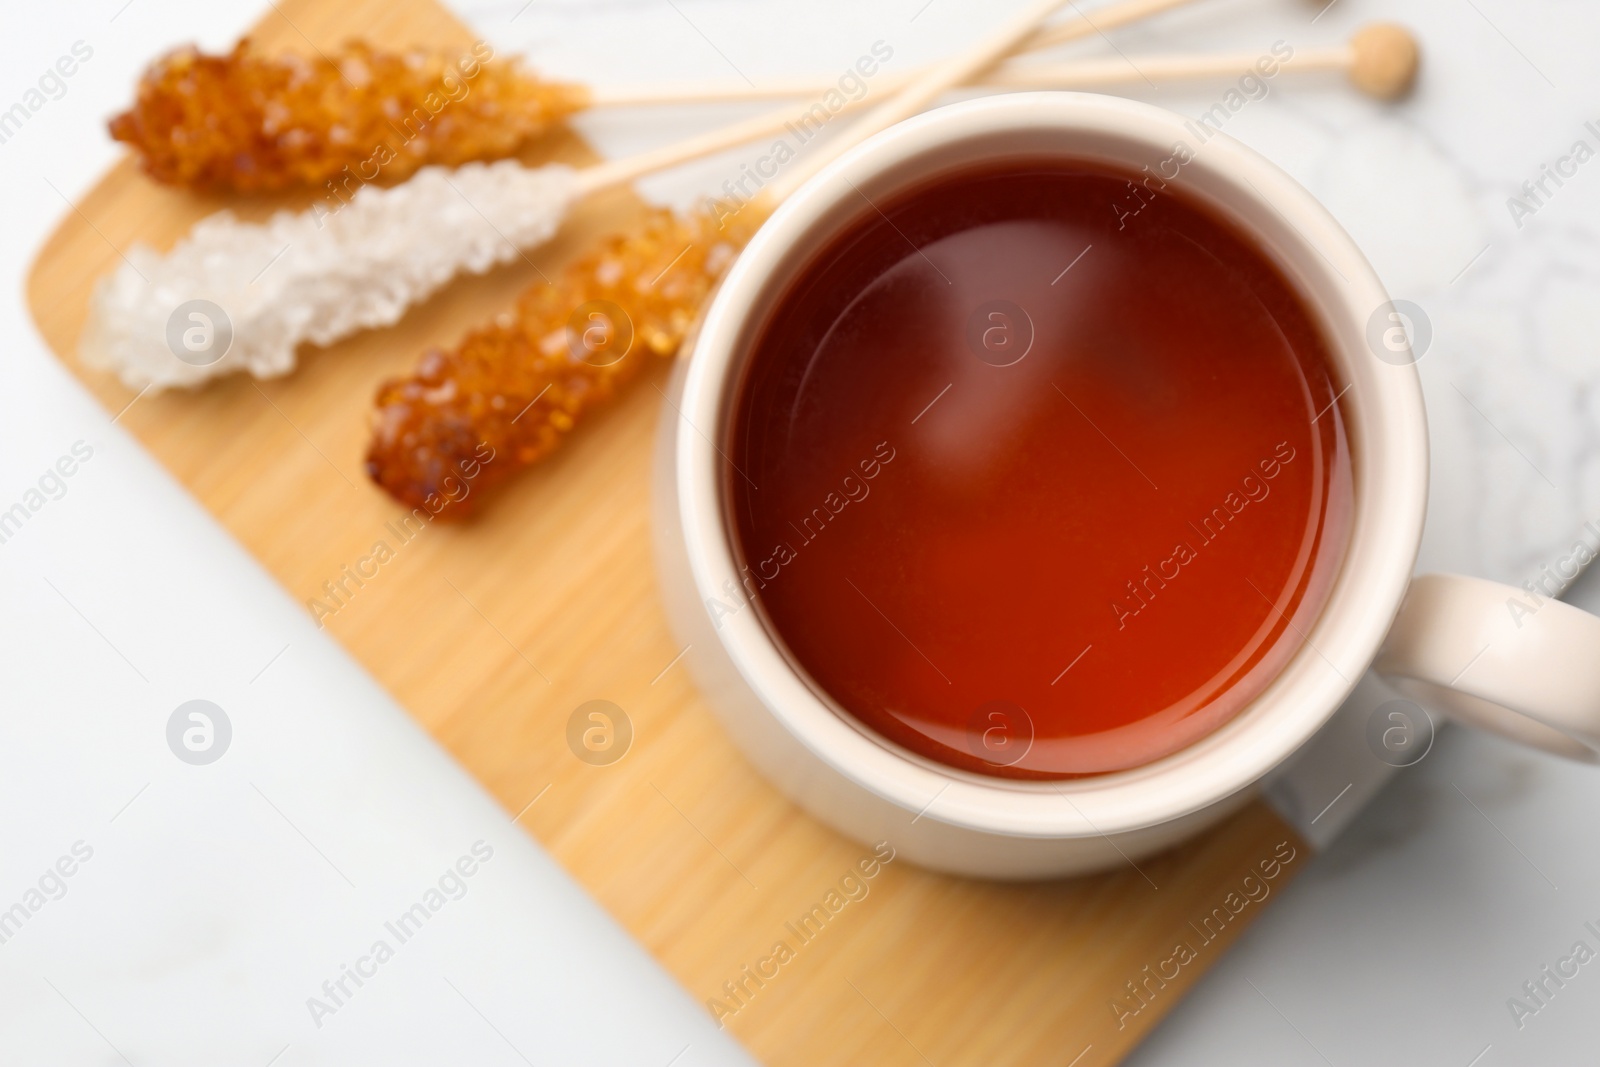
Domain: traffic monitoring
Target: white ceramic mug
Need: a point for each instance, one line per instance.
(1452, 643)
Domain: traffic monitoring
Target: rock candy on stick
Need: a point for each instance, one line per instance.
(249, 121)
(317, 276)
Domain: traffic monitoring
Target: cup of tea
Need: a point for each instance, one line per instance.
(1047, 471)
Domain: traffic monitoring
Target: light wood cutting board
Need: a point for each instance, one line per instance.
(492, 633)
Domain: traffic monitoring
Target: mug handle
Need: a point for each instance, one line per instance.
(1520, 664)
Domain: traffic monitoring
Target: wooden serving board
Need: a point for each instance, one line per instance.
(492, 633)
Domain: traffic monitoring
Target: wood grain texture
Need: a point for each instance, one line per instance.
(492, 633)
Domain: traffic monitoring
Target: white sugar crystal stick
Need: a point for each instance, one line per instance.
(237, 296)
(314, 276)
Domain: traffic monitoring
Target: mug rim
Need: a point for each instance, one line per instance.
(1384, 418)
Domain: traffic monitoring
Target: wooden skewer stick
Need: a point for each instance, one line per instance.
(1380, 60)
(621, 171)
(927, 85)
(712, 92)
(618, 172)
(1134, 70)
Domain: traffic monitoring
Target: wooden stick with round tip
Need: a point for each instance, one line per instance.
(1380, 60)
(1384, 59)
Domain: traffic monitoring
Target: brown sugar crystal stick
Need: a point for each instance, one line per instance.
(512, 390)
(249, 121)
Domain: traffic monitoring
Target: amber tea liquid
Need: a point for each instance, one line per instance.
(1038, 476)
